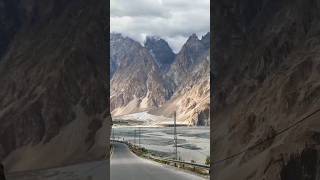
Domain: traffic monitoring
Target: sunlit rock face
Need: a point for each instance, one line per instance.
(266, 77)
(152, 78)
(53, 72)
(136, 80)
(190, 74)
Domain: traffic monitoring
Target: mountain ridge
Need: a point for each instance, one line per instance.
(167, 76)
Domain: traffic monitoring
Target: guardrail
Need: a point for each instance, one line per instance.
(168, 161)
(188, 163)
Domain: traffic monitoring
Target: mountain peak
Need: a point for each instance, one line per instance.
(193, 37)
(156, 41)
(206, 40)
(143, 78)
(192, 40)
(153, 38)
(160, 50)
(206, 36)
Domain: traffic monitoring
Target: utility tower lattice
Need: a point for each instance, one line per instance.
(175, 139)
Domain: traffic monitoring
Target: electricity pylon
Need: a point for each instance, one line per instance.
(175, 139)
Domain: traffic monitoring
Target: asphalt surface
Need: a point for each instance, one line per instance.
(87, 171)
(127, 166)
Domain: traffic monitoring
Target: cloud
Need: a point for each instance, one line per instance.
(137, 8)
(172, 20)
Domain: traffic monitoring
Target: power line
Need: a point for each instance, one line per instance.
(268, 138)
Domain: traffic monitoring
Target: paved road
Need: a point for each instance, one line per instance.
(127, 166)
(87, 171)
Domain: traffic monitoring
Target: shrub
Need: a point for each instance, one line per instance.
(207, 160)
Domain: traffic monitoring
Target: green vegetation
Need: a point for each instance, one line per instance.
(207, 160)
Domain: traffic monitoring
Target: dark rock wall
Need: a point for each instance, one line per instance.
(53, 60)
(265, 76)
(304, 166)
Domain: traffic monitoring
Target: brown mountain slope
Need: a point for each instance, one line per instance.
(136, 83)
(192, 98)
(52, 75)
(143, 79)
(266, 76)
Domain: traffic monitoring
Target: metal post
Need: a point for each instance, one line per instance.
(113, 133)
(135, 131)
(139, 135)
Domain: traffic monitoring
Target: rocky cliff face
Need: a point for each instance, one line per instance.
(190, 54)
(145, 78)
(192, 97)
(266, 76)
(160, 51)
(191, 74)
(53, 76)
(137, 82)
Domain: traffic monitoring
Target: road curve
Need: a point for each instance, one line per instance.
(127, 166)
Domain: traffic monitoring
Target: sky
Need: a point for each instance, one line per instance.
(172, 20)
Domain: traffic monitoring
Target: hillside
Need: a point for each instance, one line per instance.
(52, 74)
(152, 78)
(266, 76)
(136, 82)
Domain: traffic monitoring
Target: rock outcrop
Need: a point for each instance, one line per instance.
(266, 78)
(53, 71)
